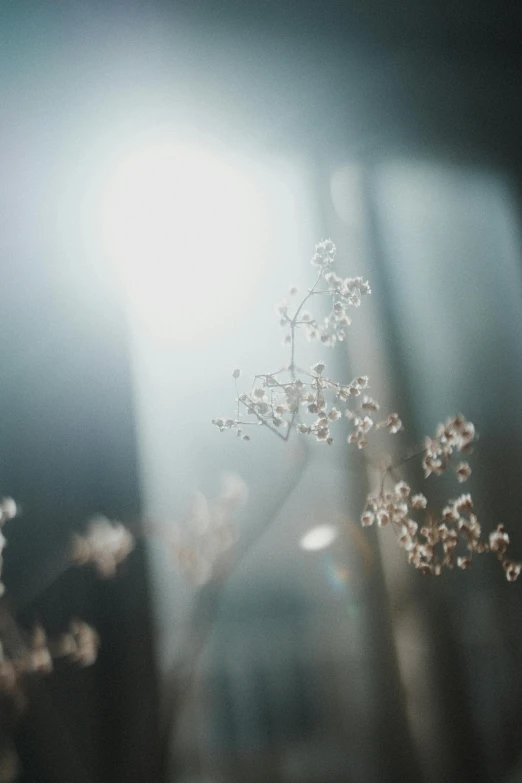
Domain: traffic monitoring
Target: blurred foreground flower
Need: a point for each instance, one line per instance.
(105, 545)
(208, 530)
(80, 645)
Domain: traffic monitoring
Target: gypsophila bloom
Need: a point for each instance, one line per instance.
(367, 518)
(80, 645)
(281, 400)
(105, 545)
(463, 503)
(512, 570)
(433, 543)
(369, 404)
(311, 402)
(402, 489)
(499, 541)
(418, 501)
(463, 471)
(324, 253)
(383, 517)
(456, 435)
(393, 424)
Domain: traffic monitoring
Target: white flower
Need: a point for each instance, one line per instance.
(382, 517)
(512, 570)
(463, 471)
(105, 545)
(324, 253)
(369, 404)
(79, 645)
(418, 501)
(450, 514)
(432, 465)
(334, 414)
(402, 489)
(367, 518)
(393, 424)
(463, 503)
(499, 540)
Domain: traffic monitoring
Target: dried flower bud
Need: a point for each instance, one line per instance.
(393, 424)
(382, 517)
(463, 471)
(402, 489)
(418, 501)
(105, 545)
(512, 570)
(499, 540)
(367, 519)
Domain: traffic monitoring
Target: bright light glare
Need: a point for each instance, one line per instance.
(319, 537)
(183, 225)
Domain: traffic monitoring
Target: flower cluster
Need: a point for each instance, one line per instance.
(309, 400)
(208, 530)
(105, 545)
(455, 435)
(435, 543)
(344, 292)
(80, 646)
(454, 536)
(310, 403)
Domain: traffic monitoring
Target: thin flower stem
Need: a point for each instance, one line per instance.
(293, 322)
